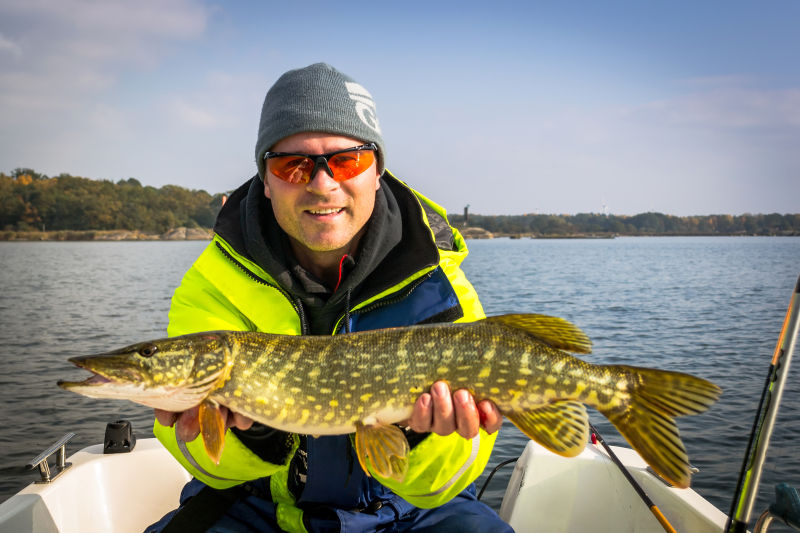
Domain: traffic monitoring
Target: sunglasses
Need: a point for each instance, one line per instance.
(341, 165)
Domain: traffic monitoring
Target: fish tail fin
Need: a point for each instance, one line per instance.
(647, 420)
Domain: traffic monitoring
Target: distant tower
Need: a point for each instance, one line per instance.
(466, 215)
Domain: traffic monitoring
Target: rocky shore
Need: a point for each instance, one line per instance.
(175, 234)
(480, 233)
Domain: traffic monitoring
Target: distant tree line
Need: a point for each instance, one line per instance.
(642, 224)
(32, 201)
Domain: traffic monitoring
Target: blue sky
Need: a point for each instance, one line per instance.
(510, 107)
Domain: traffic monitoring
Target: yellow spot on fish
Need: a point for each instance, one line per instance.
(393, 380)
(485, 371)
(237, 393)
(525, 371)
(441, 370)
(311, 398)
(494, 390)
(158, 377)
(550, 380)
(329, 416)
(355, 374)
(200, 373)
(333, 403)
(521, 382)
(366, 397)
(289, 401)
(415, 390)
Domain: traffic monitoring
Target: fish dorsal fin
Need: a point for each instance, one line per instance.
(386, 447)
(561, 426)
(551, 330)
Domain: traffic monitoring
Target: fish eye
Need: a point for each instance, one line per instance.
(148, 350)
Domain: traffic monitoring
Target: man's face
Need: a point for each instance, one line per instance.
(323, 218)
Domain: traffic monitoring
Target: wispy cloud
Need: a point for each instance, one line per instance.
(728, 107)
(9, 47)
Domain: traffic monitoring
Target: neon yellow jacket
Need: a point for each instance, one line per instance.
(225, 290)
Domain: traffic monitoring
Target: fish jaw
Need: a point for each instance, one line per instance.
(158, 397)
(164, 374)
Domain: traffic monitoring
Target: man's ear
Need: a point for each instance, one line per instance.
(266, 189)
(377, 182)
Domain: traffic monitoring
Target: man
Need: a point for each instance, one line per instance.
(325, 241)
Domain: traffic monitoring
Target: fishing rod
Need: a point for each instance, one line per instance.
(750, 475)
(638, 488)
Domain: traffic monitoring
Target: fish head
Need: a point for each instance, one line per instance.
(173, 374)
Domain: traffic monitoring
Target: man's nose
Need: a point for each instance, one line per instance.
(321, 181)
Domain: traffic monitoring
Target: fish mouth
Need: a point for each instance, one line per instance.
(97, 379)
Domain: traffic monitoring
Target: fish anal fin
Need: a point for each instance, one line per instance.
(551, 330)
(386, 447)
(212, 429)
(561, 426)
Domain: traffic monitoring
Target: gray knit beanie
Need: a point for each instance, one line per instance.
(317, 98)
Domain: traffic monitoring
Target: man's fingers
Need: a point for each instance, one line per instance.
(187, 427)
(444, 421)
(165, 418)
(422, 416)
(239, 421)
(490, 416)
(467, 418)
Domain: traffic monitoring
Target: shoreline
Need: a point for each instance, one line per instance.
(175, 234)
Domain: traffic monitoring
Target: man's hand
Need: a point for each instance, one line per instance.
(443, 413)
(187, 423)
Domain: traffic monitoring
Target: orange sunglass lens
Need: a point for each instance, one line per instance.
(291, 168)
(350, 164)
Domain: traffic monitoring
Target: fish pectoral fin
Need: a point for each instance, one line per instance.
(561, 426)
(212, 429)
(386, 447)
(551, 330)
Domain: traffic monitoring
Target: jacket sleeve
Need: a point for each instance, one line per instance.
(441, 467)
(198, 306)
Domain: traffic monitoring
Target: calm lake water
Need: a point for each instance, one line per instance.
(709, 306)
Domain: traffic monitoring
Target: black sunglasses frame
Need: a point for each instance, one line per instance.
(321, 160)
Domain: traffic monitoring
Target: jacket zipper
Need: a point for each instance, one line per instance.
(390, 301)
(298, 308)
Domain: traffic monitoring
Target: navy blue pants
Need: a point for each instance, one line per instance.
(462, 514)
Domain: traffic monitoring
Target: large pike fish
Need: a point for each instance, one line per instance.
(365, 382)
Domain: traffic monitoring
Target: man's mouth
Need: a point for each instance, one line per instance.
(326, 211)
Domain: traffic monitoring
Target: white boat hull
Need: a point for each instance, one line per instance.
(547, 493)
(100, 493)
(550, 493)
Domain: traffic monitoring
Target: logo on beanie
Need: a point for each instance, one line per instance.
(365, 106)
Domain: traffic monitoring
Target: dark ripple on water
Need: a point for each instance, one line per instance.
(709, 306)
